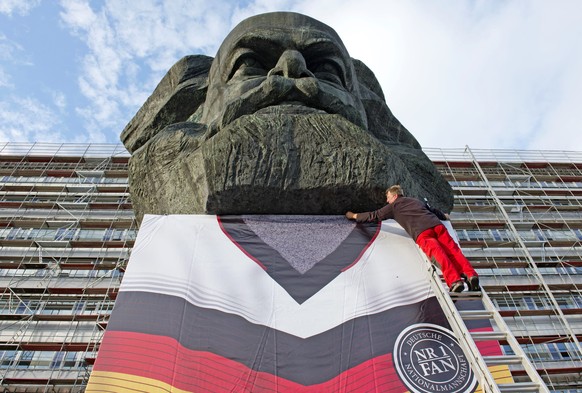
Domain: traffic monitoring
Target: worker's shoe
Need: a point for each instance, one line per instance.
(458, 286)
(473, 283)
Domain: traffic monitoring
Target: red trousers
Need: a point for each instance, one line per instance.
(437, 244)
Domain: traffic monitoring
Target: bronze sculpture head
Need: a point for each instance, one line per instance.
(281, 121)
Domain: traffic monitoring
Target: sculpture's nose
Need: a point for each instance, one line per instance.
(291, 64)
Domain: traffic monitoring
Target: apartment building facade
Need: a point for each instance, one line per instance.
(67, 229)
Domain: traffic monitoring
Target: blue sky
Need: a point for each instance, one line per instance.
(483, 73)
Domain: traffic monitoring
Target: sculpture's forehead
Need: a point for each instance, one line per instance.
(285, 28)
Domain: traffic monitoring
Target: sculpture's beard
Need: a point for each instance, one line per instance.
(278, 94)
(262, 164)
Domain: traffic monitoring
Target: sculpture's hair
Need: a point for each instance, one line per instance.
(395, 189)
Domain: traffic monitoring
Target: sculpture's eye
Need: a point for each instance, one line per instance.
(248, 65)
(329, 71)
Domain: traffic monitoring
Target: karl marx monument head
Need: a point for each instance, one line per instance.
(281, 121)
(300, 66)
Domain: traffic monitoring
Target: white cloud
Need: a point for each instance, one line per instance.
(77, 14)
(11, 53)
(486, 74)
(559, 128)
(8, 48)
(21, 7)
(261, 6)
(59, 99)
(5, 79)
(28, 120)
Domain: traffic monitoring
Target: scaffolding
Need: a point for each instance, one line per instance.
(518, 215)
(66, 230)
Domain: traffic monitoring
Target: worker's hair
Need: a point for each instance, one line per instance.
(395, 189)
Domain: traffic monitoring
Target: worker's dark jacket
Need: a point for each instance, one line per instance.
(413, 215)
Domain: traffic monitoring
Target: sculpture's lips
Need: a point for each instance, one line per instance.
(293, 107)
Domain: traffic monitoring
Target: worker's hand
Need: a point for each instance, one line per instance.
(350, 216)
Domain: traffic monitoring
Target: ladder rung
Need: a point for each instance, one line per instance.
(502, 360)
(472, 295)
(476, 314)
(519, 387)
(484, 336)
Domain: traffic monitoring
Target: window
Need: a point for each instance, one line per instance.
(22, 307)
(65, 233)
(57, 359)
(42, 360)
(6, 358)
(70, 360)
(535, 303)
(78, 309)
(507, 303)
(25, 359)
(551, 351)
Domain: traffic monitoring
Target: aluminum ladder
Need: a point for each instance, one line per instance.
(479, 363)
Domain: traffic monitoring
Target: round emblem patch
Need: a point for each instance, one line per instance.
(428, 359)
